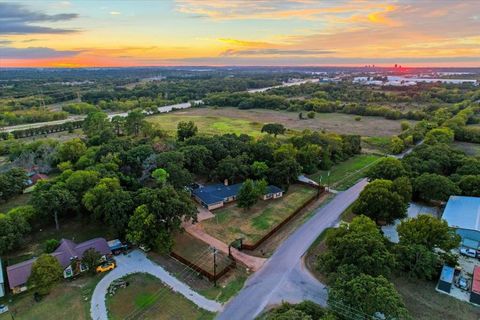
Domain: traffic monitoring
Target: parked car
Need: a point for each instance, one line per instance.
(107, 266)
(468, 252)
(463, 283)
(3, 308)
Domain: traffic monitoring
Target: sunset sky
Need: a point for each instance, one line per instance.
(239, 32)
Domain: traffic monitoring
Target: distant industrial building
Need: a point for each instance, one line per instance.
(463, 214)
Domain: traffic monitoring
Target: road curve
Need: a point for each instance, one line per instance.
(262, 287)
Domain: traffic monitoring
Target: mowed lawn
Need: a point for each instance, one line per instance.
(198, 252)
(347, 173)
(149, 297)
(233, 120)
(208, 124)
(67, 301)
(232, 222)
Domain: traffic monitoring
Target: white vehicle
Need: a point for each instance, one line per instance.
(468, 252)
(3, 308)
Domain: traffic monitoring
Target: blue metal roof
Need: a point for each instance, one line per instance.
(447, 274)
(215, 193)
(463, 212)
(273, 189)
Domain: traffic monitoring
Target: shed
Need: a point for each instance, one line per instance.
(475, 294)
(446, 279)
(463, 214)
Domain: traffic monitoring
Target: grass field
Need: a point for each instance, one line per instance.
(232, 222)
(233, 120)
(471, 149)
(424, 303)
(198, 252)
(67, 301)
(345, 174)
(148, 293)
(16, 201)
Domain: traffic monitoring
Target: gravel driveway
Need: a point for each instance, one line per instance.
(137, 262)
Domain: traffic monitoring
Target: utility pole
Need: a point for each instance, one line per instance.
(214, 266)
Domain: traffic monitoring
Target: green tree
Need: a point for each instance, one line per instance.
(51, 245)
(403, 187)
(91, 259)
(309, 157)
(168, 208)
(259, 169)
(109, 203)
(405, 125)
(118, 123)
(81, 181)
(46, 272)
(274, 128)
(186, 129)
(430, 186)
(247, 195)
(13, 229)
(142, 227)
(95, 124)
(359, 243)
(417, 260)
(71, 150)
(380, 202)
(53, 198)
(134, 122)
(284, 173)
(160, 175)
(387, 168)
(396, 145)
(470, 185)
(439, 135)
(367, 296)
(428, 231)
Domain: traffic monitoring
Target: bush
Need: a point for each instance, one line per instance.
(358, 118)
(311, 115)
(51, 245)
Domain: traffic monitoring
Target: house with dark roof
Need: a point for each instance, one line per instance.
(68, 254)
(215, 196)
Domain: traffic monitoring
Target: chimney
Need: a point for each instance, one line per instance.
(225, 182)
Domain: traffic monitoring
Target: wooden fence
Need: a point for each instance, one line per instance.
(255, 245)
(202, 271)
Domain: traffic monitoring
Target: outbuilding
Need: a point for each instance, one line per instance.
(446, 279)
(475, 294)
(463, 214)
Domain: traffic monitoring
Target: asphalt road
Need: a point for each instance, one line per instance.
(281, 271)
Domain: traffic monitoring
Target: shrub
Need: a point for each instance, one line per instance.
(311, 115)
(358, 118)
(51, 245)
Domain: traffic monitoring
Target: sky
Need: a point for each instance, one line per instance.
(95, 33)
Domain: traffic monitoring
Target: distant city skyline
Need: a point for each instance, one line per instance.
(410, 33)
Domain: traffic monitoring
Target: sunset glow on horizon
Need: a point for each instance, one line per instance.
(239, 32)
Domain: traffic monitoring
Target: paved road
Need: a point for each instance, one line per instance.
(283, 268)
(163, 109)
(137, 262)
